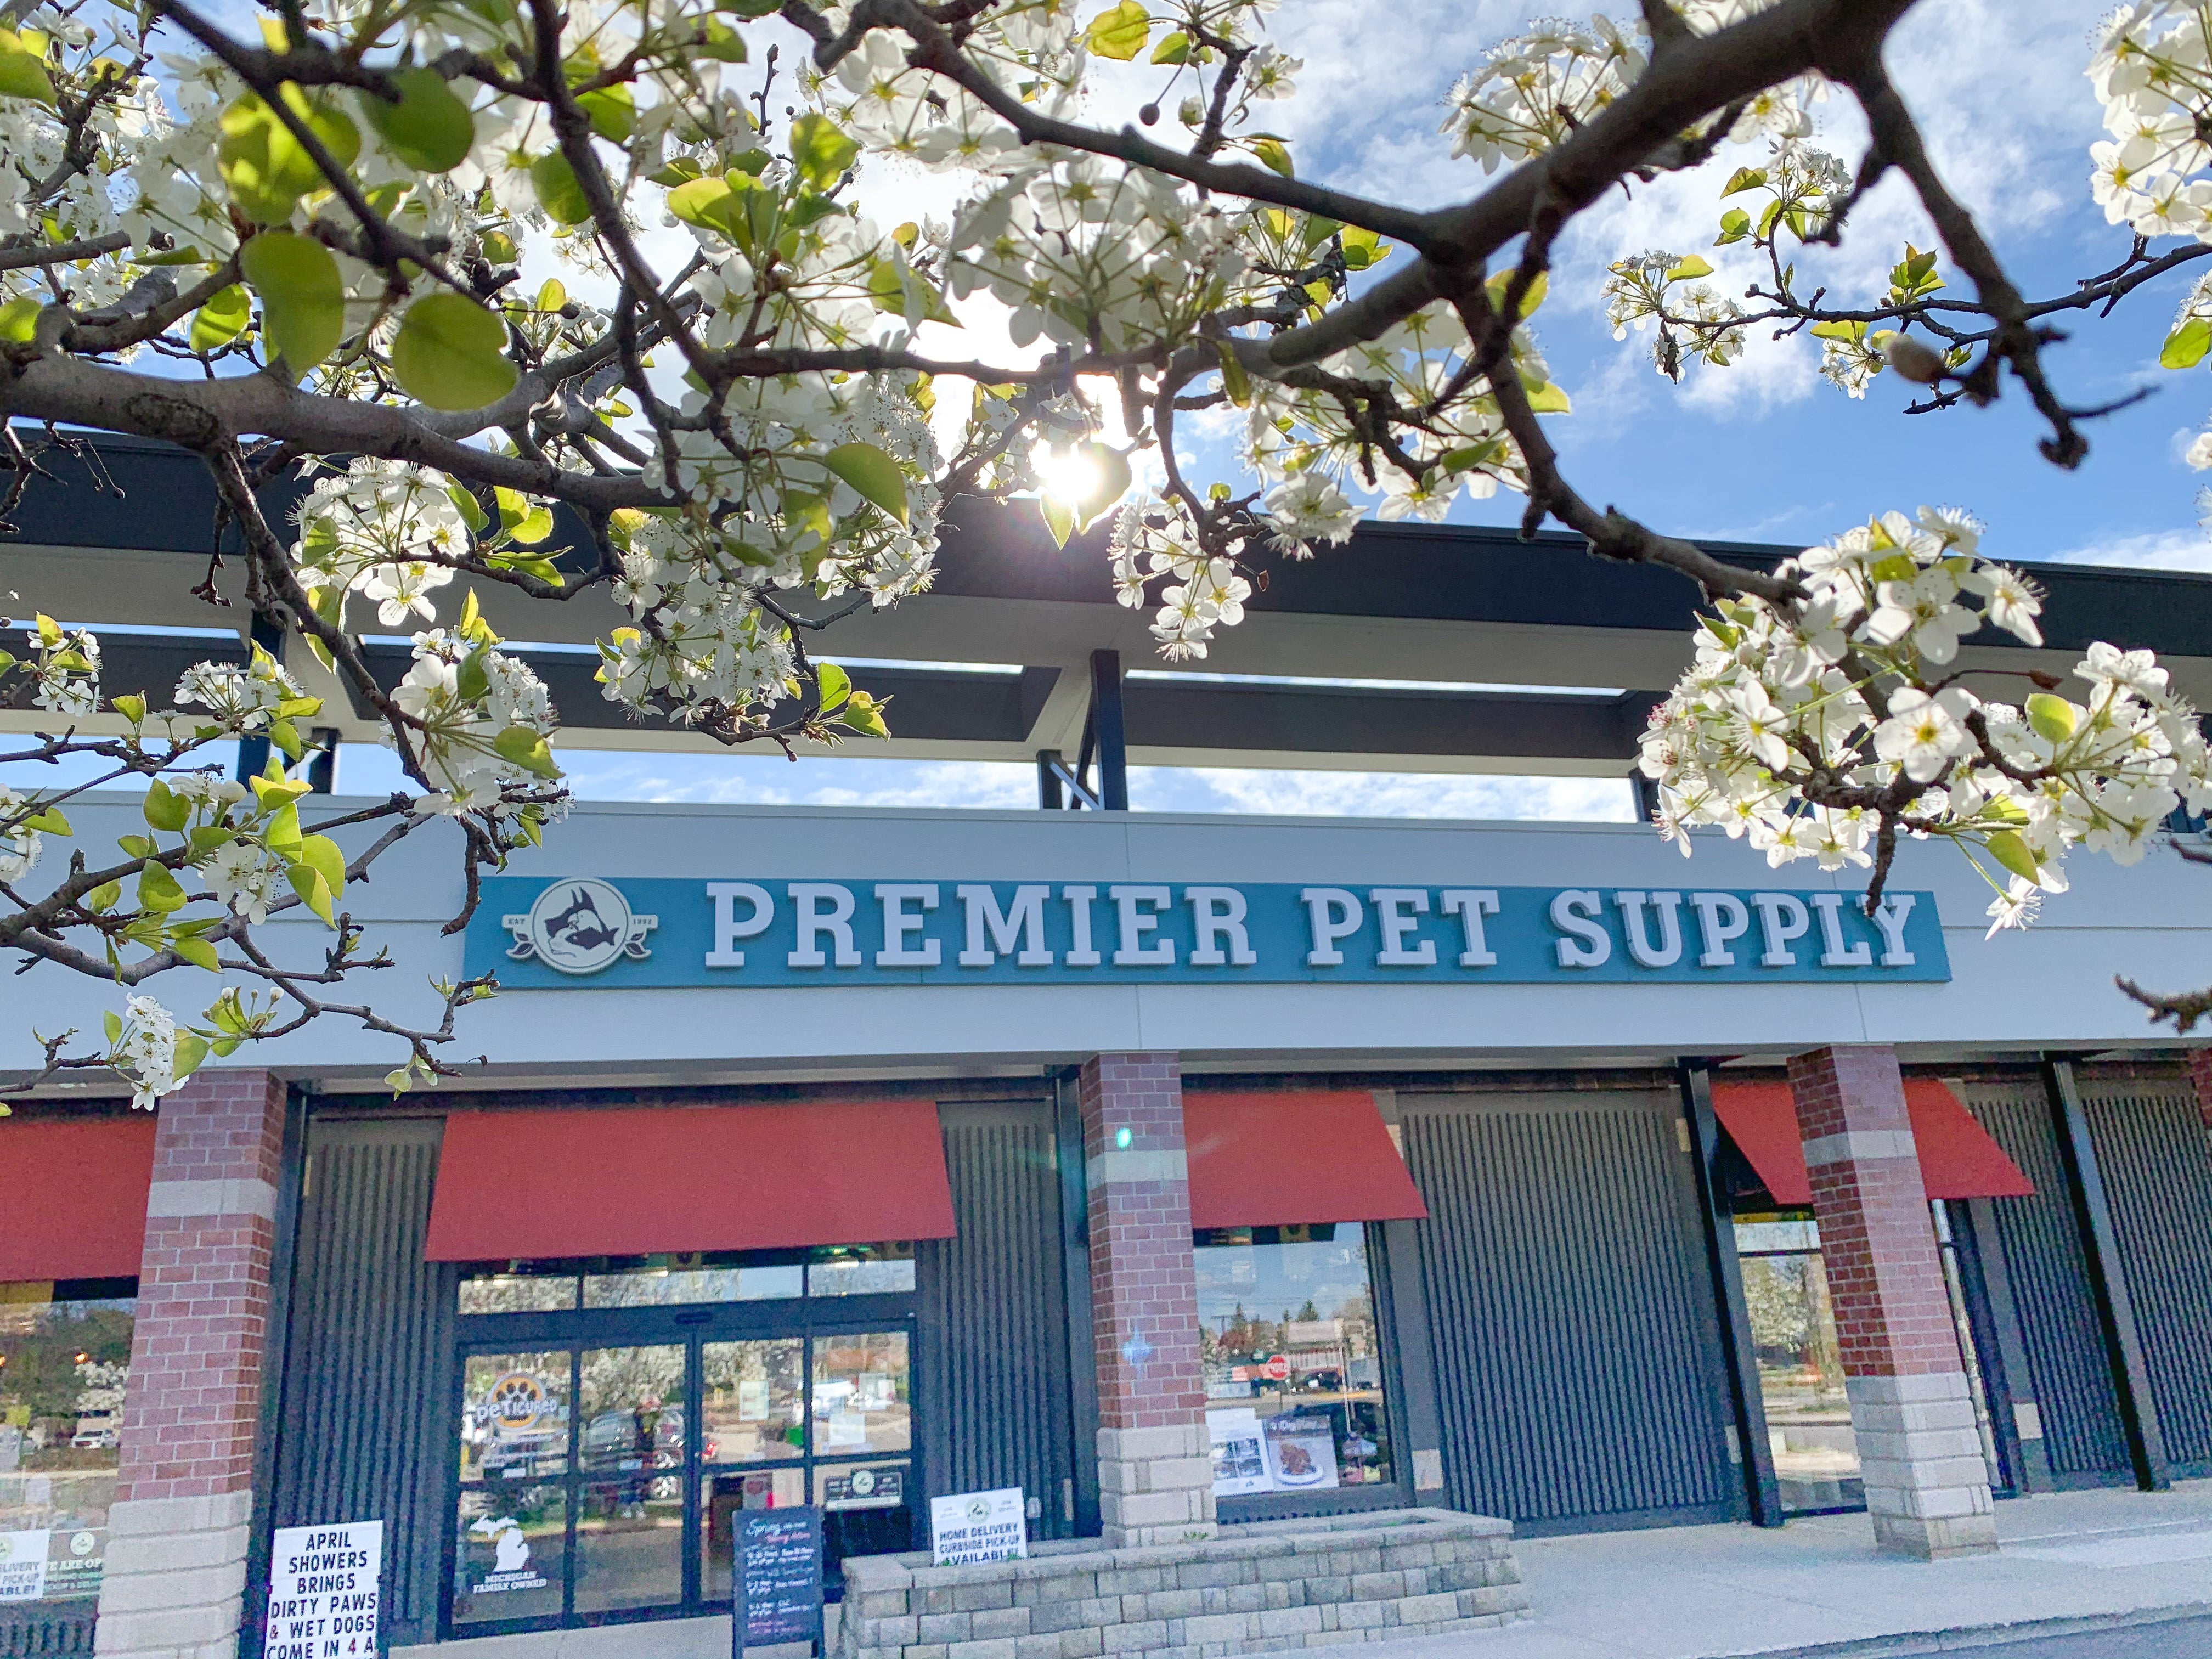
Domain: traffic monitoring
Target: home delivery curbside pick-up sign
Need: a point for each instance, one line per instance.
(575, 932)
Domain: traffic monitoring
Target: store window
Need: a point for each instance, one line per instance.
(64, 1371)
(1292, 1361)
(1801, 1368)
(1800, 1364)
(601, 1464)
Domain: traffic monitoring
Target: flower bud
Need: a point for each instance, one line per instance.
(1912, 359)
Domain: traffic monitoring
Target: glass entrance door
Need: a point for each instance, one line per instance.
(603, 1457)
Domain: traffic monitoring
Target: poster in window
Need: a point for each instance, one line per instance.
(23, 1565)
(1301, 1451)
(1240, 1460)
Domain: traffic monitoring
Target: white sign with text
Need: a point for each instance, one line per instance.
(323, 1585)
(972, 1527)
(23, 1565)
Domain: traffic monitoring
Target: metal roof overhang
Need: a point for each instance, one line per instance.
(1472, 606)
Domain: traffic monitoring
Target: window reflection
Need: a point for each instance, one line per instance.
(860, 1400)
(64, 1371)
(1801, 1365)
(514, 1415)
(1291, 1359)
(518, 1287)
(860, 1270)
(754, 1404)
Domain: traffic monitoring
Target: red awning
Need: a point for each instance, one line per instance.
(515, 1186)
(75, 1196)
(1957, 1159)
(1274, 1160)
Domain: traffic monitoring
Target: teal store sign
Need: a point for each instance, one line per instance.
(577, 932)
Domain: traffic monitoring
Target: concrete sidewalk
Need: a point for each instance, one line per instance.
(1718, 1592)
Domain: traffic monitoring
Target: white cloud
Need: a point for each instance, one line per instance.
(1770, 373)
(1378, 794)
(2148, 550)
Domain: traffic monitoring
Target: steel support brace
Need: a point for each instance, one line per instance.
(2108, 1284)
(1107, 726)
(1762, 1492)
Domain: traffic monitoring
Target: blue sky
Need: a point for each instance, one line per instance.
(1765, 450)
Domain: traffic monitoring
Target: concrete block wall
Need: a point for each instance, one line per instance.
(1272, 1585)
(1920, 1457)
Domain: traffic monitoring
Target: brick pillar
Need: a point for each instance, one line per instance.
(1155, 1466)
(2200, 1074)
(176, 1534)
(1919, 1454)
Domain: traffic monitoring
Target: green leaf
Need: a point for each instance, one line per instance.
(1274, 155)
(521, 746)
(136, 846)
(281, 835)
(196, 950)
(2009, 850)
(872, 472)
(450, 353)
(1839, 331)
(1735, 225)
(1688, 266)
(184, 1058)
(820, 151)
(558, 193)
(712, 203)
(164, 808)
(286, 737)
(1120, 32)
(2052, 717)
(613, 111)
(523, 518)
(158, 891)
(1548, 399)
(1363, 248)
(49, 822)
(1059, 518)
(1497, 286)
(266, 168)
(1744, 179)
(2185, 347)
(18, 318)
(1110, 470)
(470, 508)
(1174, 49)
(103, 897)
(1235, 382)
(719, 41)
(833, 683)
(314, 892)
(430, 128)
(222, 319)
(861, 714)
(23, 72)
(302, 297)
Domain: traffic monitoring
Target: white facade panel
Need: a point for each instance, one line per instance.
(2051, 986)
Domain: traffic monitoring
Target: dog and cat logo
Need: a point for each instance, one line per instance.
(579, 926)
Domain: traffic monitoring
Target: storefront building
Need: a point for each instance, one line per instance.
(827, 1193)
(1184, 1173)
